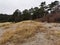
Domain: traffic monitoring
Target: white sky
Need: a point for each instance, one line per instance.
(9, 6)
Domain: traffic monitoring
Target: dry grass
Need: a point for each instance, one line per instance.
(5, 25)
(24, 30)
(27, 29)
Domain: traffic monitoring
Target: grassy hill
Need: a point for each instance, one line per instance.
(29, 33)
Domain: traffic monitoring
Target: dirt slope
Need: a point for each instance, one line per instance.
(30, 33)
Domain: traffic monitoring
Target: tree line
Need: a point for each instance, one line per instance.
(30, 14)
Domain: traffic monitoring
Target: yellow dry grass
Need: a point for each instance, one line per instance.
(24, 30)
(27, 29)
(4, 24)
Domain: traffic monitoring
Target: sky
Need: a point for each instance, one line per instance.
(9, 6)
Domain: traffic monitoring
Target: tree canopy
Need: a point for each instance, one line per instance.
(29, 14)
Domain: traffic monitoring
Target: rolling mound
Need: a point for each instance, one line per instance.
(30, 33)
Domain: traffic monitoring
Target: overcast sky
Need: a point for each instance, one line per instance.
(9, 6)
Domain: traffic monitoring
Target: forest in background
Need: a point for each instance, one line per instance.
(30, 14)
